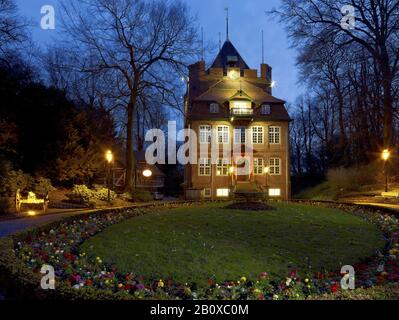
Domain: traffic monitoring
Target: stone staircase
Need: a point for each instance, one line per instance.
(248, 191)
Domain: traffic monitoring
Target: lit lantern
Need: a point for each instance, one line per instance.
(147, 173)
(385, 155)
(109, 156)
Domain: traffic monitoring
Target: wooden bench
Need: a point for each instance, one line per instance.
(31, 200)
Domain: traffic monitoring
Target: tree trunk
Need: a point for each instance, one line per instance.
(130, 160)
(388, 108)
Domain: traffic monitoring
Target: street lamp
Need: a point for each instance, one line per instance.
(109, 157)
(147, 173)
(385, 156)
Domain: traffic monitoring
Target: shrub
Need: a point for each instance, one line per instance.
(14, 180)
(342, 181)
(140, 195)
(102, 194)
(351, 179)
(43, 186)
(126, 196)
(81, 194)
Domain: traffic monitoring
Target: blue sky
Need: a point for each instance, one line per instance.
(247, 19)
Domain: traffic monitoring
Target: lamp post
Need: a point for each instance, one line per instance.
(385, 156)
(231, 170)
(266, 171)
(109, 157)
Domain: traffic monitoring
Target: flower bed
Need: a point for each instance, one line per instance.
(81, 277)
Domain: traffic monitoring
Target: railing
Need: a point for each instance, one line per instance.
(241, 112)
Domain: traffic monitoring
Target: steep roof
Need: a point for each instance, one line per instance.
(227, 54)
(225, 89)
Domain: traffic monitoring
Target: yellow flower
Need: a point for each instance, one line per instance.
(243, 279)
(161, 284)
(120, 285)
(306, 280)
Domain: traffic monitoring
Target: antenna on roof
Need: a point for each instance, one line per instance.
(202, 44)
(263, 50)
(220, 41)
(227, 24)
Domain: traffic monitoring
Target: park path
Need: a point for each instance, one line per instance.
(11, 226)
(394, 207)
(8, 227)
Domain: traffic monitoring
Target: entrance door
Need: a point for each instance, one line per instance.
(243, 169)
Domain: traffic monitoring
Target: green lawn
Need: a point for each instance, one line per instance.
(192, 244)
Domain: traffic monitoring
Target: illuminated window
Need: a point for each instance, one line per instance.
(274, 135)
(266, 109)
(204, 167)
(222, 167)
(242, 104)
(274, 192)
(275, 166)
(258, 166)
(239, 135)
(257, 135)
(214, 108)
(223, 134)
(205, 134)
(222, 193)
(207, 193)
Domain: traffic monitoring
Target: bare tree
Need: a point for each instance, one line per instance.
(377, 24)
(137, 44)
(12, 27)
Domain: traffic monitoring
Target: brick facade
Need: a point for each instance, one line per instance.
(240, 99)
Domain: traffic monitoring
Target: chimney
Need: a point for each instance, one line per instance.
(266, 72)
(196, 70)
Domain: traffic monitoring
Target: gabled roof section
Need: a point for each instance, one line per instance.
(241, 95)
(225, 89)
(229, 55)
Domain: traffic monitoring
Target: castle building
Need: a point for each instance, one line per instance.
(233, 106)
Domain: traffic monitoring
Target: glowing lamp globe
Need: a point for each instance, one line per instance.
(147, 173)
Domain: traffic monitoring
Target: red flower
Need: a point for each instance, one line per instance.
(334, 287)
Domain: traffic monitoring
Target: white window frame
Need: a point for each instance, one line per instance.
(222, 193)
(259, 164)
(238, 133)
(214, 107)
(274, 192)
(223, 134)
(266, 109)
(275, 166)
(204, 167)
(222, 166)
(205, 133)
(274, 135)
(257, 135)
